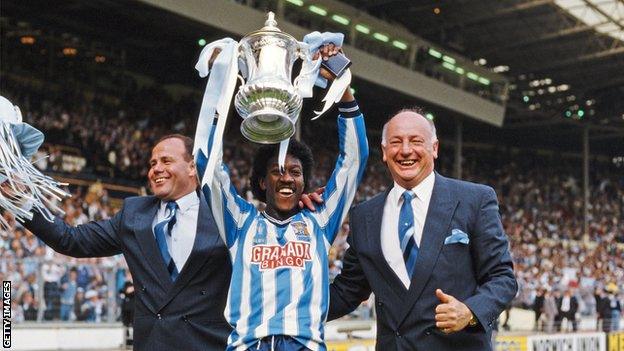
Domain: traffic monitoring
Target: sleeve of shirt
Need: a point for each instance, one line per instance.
(229, 210)
(348, 171)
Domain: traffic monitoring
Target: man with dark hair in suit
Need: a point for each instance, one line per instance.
(567, 306)
(431, 248)
(178, 261)
(29, 307)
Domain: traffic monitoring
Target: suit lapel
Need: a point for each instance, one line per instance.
(439, 215)
(373, 229)
(149, 247)
(206, 239)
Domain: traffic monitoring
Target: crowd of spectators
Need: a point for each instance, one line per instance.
(540, 197)
(51, 287)
(542, 211)
(112, 138)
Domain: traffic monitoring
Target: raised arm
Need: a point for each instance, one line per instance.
(349, 169)
(228, 208)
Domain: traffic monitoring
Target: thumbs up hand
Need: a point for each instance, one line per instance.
(451, 315)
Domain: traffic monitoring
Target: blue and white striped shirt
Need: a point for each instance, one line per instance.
(280, 283)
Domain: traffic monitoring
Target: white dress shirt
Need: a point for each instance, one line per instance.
(182, 238)
(565, 303)
(390, 223)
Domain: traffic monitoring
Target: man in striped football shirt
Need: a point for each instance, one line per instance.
(279, 292)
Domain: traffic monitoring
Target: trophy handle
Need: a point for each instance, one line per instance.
(303, 51)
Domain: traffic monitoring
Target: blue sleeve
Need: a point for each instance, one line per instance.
(348, 171)
(228, 208)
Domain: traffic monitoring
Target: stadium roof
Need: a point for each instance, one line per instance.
(560, 55)
(557, 62)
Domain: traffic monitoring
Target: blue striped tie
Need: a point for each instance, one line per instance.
(406, 233)
(160, 229)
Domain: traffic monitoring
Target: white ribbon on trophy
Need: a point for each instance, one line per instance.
(24, 187)
(260, 56)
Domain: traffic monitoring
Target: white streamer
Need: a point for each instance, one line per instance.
(25, 188)
(335, 92)
(216, 100)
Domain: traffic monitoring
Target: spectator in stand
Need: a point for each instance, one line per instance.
(92, 308)
(603, 311)
(613, 308)
(68, 295)
(78, 302)
(52, 273)
(538, 308)
(550, 311)
(29, 306)
(567, 306)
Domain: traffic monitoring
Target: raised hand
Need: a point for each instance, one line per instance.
(325, 52)
(312, 199)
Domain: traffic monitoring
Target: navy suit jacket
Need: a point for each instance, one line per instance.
(480, 273)
(183, 315)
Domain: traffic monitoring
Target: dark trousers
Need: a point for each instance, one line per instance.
(569, 316)
(536, 326)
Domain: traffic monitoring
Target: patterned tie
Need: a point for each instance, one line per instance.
(406, 233)
(160, 229)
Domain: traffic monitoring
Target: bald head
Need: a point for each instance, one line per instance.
(405, 115)
(409, 146)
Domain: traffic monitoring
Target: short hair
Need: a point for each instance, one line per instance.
(188, 144)
(415, 109)
(264, 154)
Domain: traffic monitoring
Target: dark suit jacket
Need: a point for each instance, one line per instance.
(479, 274)
(183, 315)
(574, 305)
(538, 304)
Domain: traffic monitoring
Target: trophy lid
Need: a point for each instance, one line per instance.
(270, 27)
(271, 24)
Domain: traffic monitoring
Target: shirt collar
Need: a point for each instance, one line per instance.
(423, 190)
(184, 203)
(280, 222)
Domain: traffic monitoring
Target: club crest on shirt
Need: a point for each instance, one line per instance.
(292, 255)
(301, 230)
(260, 238)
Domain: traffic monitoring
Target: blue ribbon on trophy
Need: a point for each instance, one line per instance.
(267, 100)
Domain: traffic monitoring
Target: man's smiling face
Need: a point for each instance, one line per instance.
(409, 148)
(172, 170)
(283, 191)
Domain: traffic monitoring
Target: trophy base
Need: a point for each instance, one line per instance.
(267, 126)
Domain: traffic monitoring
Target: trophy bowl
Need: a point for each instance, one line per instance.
(268, 102)
(270, 109)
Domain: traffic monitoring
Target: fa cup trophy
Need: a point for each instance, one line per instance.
(268, 102)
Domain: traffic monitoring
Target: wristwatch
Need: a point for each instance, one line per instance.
(473, 321)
